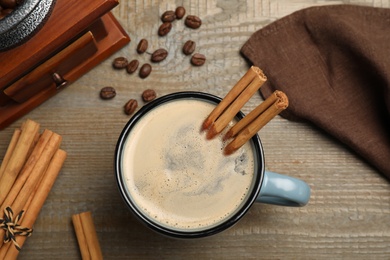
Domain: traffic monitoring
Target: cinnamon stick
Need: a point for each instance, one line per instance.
(10, 149)
(253, 115)
(81, 238)
(86, 236)
(230, 97)
(38, 198)
(34, 143)
(18, 157)
(230, 112)
(253, 127)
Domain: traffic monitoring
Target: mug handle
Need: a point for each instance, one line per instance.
(283, 190)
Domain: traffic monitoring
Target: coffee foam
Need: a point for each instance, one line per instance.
(177, 177)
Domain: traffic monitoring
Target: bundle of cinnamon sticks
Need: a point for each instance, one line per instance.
(232, 103)
(28, 171)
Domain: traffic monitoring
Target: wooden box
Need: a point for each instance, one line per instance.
(77, 36)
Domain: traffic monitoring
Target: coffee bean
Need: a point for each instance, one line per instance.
(159, 55)
(131, 106)
(168, 16)
(149, 95)
(145, 70)
(120, 63)
(132, 66)
(180, 12)
(107, 93)
(164, 29)
(189, 47)
(193, 22)
(142, 46)
(198, 59)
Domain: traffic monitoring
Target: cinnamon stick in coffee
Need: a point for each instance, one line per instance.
(246, 128)
(231, 104)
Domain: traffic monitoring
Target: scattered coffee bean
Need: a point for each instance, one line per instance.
(198, 59)
(131, 106)
(159, 55)
(193, 22)
(164, 29)
(145, 70)
(168, 16)
(180, 12)
(149, 95)
(189, 47)
(107, 93)
(132, 66)
(142, 46)
(120, 63)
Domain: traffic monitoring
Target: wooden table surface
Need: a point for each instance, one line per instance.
(348, 215)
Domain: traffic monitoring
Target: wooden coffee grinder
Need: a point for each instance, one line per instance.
(70, 38)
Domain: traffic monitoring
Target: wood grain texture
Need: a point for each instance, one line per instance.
(347, 217)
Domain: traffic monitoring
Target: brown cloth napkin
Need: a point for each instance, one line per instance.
(333, 62)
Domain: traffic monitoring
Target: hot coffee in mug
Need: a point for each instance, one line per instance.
(181, 184)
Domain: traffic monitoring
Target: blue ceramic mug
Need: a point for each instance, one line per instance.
(180, 184)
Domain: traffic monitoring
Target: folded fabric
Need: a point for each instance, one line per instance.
(333, 62)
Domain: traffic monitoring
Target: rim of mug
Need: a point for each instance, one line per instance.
(171, 232)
